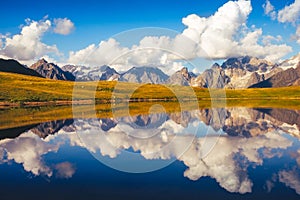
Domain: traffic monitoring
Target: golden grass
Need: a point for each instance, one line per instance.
(20, 88)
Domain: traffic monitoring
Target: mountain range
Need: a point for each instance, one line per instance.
(144, 75)
(51, 71)
(240, 72)
(83, 73)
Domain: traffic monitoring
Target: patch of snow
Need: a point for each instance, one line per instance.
(290, 63)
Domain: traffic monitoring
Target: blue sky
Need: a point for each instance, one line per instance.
(99, 20)
(95, 21)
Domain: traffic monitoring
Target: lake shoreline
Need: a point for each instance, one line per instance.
(7, 104)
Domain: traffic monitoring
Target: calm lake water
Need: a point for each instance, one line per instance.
(234, 153)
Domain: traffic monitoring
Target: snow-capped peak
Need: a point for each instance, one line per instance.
(290, 63)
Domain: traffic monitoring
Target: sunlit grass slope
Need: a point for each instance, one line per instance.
(20, 88)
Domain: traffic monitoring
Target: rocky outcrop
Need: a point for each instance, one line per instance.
(239, 72)
(198, 82)
(144, 75)
(246, 71)
(290, 63)
(51, 71)
(83, 73)
(254, 78)
(109, 74)
(79, 72)
(215, 77)
(181, 77)
(288, 77)
(251, 64)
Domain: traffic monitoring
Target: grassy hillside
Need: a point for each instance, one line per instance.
(21, 88)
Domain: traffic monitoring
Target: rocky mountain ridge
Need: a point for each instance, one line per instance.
(51, 71)
(83, 73)
(245, 72)
(241, 72)
(288, 77)
(144, 75)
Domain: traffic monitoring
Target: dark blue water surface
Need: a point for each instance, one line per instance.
(236, 153)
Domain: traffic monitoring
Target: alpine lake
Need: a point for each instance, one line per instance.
(95, 152)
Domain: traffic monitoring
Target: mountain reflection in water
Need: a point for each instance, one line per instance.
(246, 142)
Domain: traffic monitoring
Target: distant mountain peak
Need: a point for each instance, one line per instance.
(288, 77)
(184, 70)
(42, 60)
(258, 61)
(181, 77)
(235, 72)
(104, 67)
(144, 74)
(38, 63)
(215, 65)
(290, 63)
(51, 70)
(84, 73)
(245, 62)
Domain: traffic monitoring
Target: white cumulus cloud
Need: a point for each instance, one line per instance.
(215, 34)
(63, 26)
(219, 36)
(222, 35)
(290, 13)
(28, 45)
(225, 34)
(269, 10)
(105, 52)
(268, 7)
